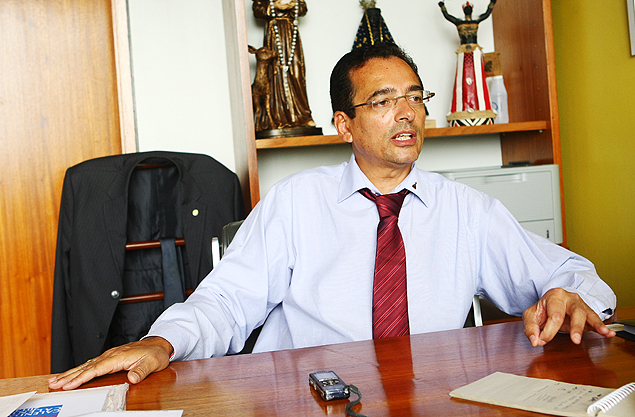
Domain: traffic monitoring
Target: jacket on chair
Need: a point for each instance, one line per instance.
(92, 237)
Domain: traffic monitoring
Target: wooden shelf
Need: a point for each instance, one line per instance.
(488, 129)
(292, 142)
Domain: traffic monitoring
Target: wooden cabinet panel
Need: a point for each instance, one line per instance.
(58, 106)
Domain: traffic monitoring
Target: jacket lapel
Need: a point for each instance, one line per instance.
(193, 215)
(115, 210)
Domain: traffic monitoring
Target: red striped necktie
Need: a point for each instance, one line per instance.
(390, 300)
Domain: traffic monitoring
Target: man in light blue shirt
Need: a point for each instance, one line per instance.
(303, 261)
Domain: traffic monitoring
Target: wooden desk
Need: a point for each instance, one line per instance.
(407, 376)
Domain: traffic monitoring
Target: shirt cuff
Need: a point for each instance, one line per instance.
(603, 307)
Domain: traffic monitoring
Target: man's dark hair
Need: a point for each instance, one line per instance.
(342, 90)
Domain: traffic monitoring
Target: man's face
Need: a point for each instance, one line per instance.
(390, 140)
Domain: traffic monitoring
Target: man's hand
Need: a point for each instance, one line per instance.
(140, 359)
(559, 310)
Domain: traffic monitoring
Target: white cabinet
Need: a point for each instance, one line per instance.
(531, 194)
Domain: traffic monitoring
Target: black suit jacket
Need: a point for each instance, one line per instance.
(92, 238)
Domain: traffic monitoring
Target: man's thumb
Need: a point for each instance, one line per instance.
(137, 374)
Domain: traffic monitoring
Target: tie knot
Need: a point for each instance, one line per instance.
(387, 204)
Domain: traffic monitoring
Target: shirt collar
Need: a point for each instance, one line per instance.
(353, 180)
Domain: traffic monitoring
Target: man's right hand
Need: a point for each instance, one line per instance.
(140, 359)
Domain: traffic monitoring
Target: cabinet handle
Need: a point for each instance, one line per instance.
(521, 177)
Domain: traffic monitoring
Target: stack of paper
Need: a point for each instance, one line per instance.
(109, 400)
(549, 397)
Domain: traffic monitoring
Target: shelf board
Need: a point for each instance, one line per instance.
(487, 129)
(292, 142)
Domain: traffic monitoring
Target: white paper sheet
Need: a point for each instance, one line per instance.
(157, 413)
(9, 403)
(539, 395)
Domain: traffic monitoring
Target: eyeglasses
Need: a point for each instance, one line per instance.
(384, 103)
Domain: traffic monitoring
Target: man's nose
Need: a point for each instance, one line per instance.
(404, 110)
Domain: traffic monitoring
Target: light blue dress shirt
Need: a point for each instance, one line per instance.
(304, 261)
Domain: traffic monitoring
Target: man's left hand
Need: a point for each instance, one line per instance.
(560, 310)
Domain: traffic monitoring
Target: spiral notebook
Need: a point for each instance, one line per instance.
(550, 397)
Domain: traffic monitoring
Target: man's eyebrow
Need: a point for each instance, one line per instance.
(387, 90)
(381, 92)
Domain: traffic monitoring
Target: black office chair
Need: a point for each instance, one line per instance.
(227, 235)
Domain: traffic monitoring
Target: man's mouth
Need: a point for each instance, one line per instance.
(403, 137)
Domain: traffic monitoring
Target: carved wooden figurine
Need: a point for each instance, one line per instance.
(471, 104)
(288, 103)
(261, 87)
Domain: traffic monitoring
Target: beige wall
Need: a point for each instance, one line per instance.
(596, 90)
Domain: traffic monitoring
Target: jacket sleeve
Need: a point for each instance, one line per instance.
(61, 350)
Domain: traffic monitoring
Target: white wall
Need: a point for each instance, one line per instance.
(180, 77)
(179, 71)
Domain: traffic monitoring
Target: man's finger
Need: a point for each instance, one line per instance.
(84, 373)
(577, 322)
(81, 378)
(63, 379)
(594, 322)
(556, 313)
(533, 318)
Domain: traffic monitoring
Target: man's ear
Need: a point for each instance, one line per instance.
(342, 124)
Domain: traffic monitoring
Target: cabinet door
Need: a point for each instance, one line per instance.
(58, 106)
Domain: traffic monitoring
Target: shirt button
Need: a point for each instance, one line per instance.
(114, 294)
(195, 212)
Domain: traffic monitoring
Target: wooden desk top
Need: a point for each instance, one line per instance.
(406, 376)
